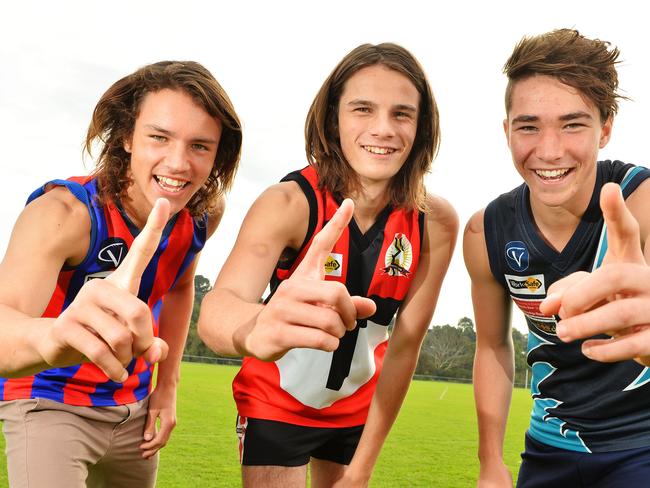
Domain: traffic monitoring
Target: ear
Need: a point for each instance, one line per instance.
(506, 130)
(606, 132)
(127, 145)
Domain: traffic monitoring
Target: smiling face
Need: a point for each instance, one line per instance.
(377, 122)
(173, 149)
(554, 135)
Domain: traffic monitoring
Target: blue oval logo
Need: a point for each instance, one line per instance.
(517, 255)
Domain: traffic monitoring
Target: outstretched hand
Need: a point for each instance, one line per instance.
(307, 311)
(107, 323)
(614, 299)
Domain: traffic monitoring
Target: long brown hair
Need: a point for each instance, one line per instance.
(114, 118)
(322, 134)
(588, 65)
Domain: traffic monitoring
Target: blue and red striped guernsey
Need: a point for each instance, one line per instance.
(111, 235)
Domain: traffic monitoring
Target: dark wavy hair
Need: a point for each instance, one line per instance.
(322, 142)
(588, 65)
(114, 118)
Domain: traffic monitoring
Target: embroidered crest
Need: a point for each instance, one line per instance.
(399, 257)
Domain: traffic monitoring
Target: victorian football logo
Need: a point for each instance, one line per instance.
(517, 255)
(112, 251)
(398, 257)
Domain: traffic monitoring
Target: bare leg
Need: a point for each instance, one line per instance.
(325, 473)
(274, 476)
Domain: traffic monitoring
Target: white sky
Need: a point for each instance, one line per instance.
(272, 57)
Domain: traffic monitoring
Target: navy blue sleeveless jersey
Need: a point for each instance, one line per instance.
(578, 404)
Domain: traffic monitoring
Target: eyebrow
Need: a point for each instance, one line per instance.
(534, 118)
(202, 140)
(367, 103)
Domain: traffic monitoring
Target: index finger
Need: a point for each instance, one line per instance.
(127, 275)
(623, 236)
(312, 264)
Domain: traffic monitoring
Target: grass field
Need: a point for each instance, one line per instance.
(433, 443)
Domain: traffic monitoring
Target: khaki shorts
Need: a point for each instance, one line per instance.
(52, 445)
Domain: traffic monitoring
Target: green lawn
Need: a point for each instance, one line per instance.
(433, 443)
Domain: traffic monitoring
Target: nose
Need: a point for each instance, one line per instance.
(550, 146)
(382, 125)
(178, 158)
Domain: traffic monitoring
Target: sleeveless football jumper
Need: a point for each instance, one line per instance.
(333, 389)
(112, 232)
(578, 404)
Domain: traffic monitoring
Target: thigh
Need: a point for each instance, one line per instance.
(123, 465)
(48, 445)
(618, 469)
(325, 473)
(340, 446)
(543, 466)
(274, 476)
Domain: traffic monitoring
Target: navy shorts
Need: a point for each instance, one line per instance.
(271, 443)
(546, 466)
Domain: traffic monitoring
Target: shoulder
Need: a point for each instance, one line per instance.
(64, 219)
(440, 217)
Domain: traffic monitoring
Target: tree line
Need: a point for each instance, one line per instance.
(447, 350)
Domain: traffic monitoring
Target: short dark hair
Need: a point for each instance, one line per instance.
(321, 128)
(588, 65)
(114, 118)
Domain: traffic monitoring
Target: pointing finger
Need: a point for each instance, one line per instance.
(623, 237)
(312, 265)
(127, 276)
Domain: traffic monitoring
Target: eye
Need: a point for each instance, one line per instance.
(403, 115)
(527, 128)
(574, 126)
(363, 110)
(158, 137)
(200, 147)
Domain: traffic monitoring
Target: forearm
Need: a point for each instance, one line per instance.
(392, 387)
(19, 351)
(225, 320)
(493, 380)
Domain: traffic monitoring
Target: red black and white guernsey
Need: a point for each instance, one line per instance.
(578, 404)
(333, 389)
(112, 233)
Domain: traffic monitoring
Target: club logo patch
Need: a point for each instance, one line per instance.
(517, 255)
(399, 257)
(333, 264)
(530, 308)
(112, 252)
(526, 285)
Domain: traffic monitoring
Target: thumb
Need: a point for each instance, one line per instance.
(156, 352)
(150, 425)
(312, 265)
(365, 307)
(623, 235)
(127, 276)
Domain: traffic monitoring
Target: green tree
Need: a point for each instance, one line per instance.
(194, 346)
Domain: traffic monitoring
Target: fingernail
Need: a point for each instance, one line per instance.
(125, 375)
(148, 436)
(586, 350)
(561, 331)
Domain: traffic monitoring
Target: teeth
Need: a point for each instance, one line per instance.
(551, 173)
(379, 150)
(170, 183)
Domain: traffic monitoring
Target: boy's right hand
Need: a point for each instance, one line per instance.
(306, 311)
(107, 323)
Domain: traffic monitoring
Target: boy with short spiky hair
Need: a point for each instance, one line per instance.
(560, 103)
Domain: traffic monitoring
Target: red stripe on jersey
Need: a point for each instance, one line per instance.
(55, 306)
(126, 394)
(17, 388)
(396, 286)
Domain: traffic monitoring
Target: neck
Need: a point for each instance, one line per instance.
(368, 204)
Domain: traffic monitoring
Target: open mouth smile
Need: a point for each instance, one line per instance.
(552, 174)
(379, 150)
(170, 184)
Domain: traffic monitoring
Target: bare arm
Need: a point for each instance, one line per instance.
(494, 358)
(305, 310)
(53, 231)
(173, 327)
(441, 230)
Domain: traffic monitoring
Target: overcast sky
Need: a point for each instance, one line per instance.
(272, 57)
